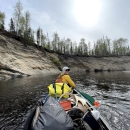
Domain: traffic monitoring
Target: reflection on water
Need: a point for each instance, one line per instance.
(112, 90)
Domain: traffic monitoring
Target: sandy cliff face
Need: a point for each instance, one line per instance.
(17, 60)
(99, 64)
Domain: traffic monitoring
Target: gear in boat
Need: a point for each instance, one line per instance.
(74, 113)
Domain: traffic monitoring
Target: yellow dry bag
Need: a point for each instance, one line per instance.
(57, 89)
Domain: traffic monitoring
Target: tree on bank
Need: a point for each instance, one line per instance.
(120, 46)
(18, 16)
(28, 32)
(12, 26)
(2, 20)
(55, 41)
(20, 24)
(39, 36)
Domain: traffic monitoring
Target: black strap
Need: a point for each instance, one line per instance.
(54, 86)
(62, 88)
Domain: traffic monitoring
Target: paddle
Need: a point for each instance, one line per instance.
(88, 97)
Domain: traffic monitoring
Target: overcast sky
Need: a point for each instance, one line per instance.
(76, 19)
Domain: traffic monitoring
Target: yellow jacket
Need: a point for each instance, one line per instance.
(66, 79)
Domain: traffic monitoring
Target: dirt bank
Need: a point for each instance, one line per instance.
(18, 60)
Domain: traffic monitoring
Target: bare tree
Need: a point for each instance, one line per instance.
(17, 15)
(22, 26)
(55, 41)
(119, 46)
(27, 20)
(38, 36)
(68, 44)
(43, 39)
(81, 46)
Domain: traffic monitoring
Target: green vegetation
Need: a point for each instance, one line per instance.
(2, 20)
(20, 29)
(56, 61)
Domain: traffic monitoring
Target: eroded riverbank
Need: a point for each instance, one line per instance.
(18, 60)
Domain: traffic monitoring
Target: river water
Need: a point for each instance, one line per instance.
(112, 89)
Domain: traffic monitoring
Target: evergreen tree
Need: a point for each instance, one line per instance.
(12, 26)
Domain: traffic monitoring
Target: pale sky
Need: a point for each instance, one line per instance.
(76, 19)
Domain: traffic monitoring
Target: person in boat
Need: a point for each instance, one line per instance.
(63, 84)
(65, 78)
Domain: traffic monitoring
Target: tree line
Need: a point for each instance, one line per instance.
(20, 26)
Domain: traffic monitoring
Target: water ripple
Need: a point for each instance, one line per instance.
(19, 96)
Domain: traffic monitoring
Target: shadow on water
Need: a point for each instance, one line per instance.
(19, 96)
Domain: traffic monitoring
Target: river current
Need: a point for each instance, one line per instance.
(111, 89)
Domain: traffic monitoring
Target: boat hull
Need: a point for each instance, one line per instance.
(87, 121)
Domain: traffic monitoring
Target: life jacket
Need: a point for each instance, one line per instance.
(59, 79)
(57, 89)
